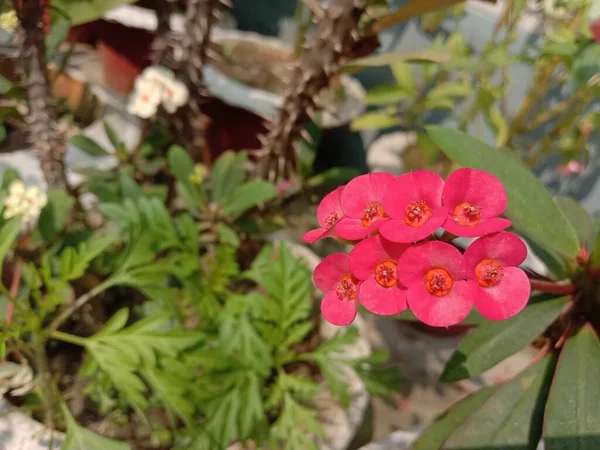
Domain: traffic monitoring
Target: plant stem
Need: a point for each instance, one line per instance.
(65, 337)
(46, 384)
(48, 143)
(14, 288)
(66, 313)
(552, 287)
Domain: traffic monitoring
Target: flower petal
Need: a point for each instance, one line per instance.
(314, 235)
(441, 311)
(397, 230)
(507, 298)
(16, 188)
(372, 251)
(337, 311)
(476, 187)
(330, 204)
(364, 189)
(417, 260)
(486, 226)
(506, 248)
(354, 230)
(411, 187)
(331, 270)
(381, 300)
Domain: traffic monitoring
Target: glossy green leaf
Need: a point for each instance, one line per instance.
(404, 75)
(385, 94)
(530, 206)
(493, 341)
(112, 136)
(443, 426)
(228, 172)
(88, 146)
(572, 419)
(58, 33)
(579, 219)
(54, 215)
(450, 90)
(86, 11)
(437, 56)
(374, 121)
(512, 417)
(247, 196)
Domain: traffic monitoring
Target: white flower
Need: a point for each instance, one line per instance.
(176, 94)
(17, 378)
(144, 104)
(156, 84)
(9, 21)
(23, 201)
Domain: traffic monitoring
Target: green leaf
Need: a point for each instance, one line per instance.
(436, 434)
(410, 10)
(404, 75)
(450, 90)
(493, 341)
(295, 426)
(5, 85)
(500, 125)
(301, 388)
(385, 94)
(3, 133)
(112, 137)
(80, 438)
(381, 380)
(247, 196)
(579, 219)
(374, 120)
(74, 262)
(89, 10)
(512, 417)
(336, 176)
(386, 59)
(586, 65)
(9, 232)
(530, 206)
(181, 166)
(439, 103)
(228, 235)
(239, 339)
(87, 145)
(572, 419)
(54, 215)
(58, 33)
(129, 187)
(9, 175)
(227, 174)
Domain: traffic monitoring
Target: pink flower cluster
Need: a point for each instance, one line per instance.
(397, 261)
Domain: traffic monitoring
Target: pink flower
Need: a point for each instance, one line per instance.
(329, 216)
(375, 262)
(362, 202)
(332, 276)
(501, 288)
(437, 293)
(474, 199)
(571, 168)
(414, 203)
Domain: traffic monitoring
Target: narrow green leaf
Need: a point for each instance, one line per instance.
(228, 235)
(247, 196)
(493, 341)
(450, 90)
(374, 121)
(228, 172)
(88, 146)
(5, 85)
(9, 175)
(9, 232)
(53, 216)
(58, 33)
(404, 75)
(385, 94)
(579, 219)
(435, 435)
(129, 187)
(512, 417)
(572, 419)
(336, 176)
(112, 136)
(530, 205)
(181, 166)
(498, 121)
(436, 56)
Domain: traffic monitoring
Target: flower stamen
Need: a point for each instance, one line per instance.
(346, 288)
(438, 282)
(488, 273)
(386, 274)
(467, 214)
(417, 213)
(332, 218)
(372, 212)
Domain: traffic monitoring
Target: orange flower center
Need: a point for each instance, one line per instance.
(332, 218)
(467, 214)
(488, 273)
(438, 282)
(371, 213)
(346, 288)
(417, 213)
(386, 274)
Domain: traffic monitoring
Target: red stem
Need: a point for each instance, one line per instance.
(552, 287)
(14, 289)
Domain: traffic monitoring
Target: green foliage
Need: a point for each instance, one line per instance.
(54, 215)
(80, 438)
(81, 11)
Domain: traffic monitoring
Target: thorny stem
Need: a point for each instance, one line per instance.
(551, 287)
(66, 313)
(48, 143)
